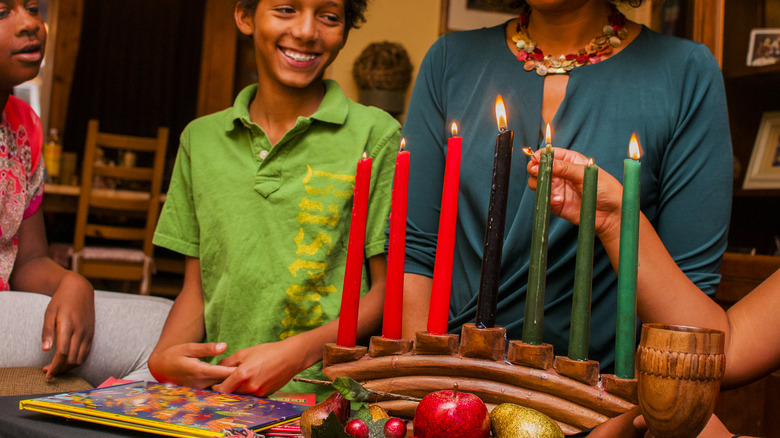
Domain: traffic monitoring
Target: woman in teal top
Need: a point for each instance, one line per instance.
(667, 90)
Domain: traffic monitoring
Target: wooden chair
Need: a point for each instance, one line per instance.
(114, 226)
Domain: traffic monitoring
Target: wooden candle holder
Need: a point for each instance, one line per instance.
(567, 392)
(379, 346)
(334, 354)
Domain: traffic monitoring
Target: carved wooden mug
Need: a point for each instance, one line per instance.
(679, 370)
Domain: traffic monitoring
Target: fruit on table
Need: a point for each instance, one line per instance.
(357, 428)
(315, 415)
(509, 420)
(377, 412)
(452, 414)
(395, 428)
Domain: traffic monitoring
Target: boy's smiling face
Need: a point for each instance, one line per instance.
(295, 40)
(22, 42)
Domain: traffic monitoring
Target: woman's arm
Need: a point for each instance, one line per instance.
(176, 357)
(70, 315)
(749, 325)
(265, 368)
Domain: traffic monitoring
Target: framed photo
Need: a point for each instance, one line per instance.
(473, 14)
(764, 47)
(764, 169)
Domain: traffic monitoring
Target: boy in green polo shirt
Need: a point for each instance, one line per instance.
(259, 203)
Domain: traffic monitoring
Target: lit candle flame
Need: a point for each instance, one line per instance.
(454, 129)
(634, 149)
(590, 161)
(403, 144)
(500, 113)
(365, 155)
(548, 136)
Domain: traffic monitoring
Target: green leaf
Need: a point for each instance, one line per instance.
(331, 427)
(351, 390)
(363, 414)
(376, 429)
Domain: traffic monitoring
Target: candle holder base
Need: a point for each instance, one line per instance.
(437, 362)
(483, 343)
(426, 343)
(585, 371)
(535, 356)
(334, 354)
(380, 346)
(623, 388)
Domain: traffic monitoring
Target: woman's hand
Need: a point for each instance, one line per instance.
(180, 364)
(566, 191)
(70, 319)
(262, 369)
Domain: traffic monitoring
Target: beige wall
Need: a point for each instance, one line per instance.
(412, 23)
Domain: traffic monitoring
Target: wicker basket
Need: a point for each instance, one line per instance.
(383, 66)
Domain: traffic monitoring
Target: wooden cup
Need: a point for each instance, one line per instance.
(679, 370)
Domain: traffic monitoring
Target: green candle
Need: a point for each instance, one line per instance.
(625, 337)
(537, 268)
(583, 271)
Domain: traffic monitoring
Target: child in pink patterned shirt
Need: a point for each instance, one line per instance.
(25, 265)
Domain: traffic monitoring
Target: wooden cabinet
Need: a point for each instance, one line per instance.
(725, 26)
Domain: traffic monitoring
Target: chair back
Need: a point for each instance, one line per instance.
(122, 213)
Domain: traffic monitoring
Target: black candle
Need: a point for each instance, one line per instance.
(494, 229)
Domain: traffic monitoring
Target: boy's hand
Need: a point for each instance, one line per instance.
(70, 317)
(181, 365)
(262, 369)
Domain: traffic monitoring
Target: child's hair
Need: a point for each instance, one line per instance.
(353, 11)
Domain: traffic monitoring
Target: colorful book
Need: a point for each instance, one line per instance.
(169, 410)
(293, 428)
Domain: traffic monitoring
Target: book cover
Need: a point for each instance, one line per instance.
(293, 428)
(168, 409)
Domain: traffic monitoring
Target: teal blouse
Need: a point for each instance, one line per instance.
(667, 90)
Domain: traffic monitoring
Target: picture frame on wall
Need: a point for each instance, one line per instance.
(473, 14)
(764, 47)
(764, 168)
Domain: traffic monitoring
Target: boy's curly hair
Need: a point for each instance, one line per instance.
(353, 11)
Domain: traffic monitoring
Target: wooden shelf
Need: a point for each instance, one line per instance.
(745, 71)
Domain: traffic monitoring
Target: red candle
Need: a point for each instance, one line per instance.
(394, 291)
(353, 272)
(438, 314)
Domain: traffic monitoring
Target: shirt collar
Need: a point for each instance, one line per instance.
(333, 108)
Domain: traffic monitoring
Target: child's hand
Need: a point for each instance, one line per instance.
(262, 369)
(70, 317)
(566, 188)
(181, 365)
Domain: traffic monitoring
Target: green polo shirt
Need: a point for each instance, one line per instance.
(270, 223)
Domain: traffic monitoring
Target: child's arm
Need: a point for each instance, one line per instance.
(417, 300)
(176, 357)
(750, 325)
(70, 315)
(265, 368)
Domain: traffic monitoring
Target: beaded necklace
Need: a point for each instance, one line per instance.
(613, 35)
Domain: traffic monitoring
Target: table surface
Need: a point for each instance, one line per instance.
(18, 423)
